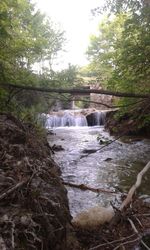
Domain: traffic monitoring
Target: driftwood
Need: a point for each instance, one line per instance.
(92, 151)
(98, 190)
(84, 187)
(129, 197)
(134, 187)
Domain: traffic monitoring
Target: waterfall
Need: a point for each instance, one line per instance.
(65, 119)
(68, 118)
(96, 118)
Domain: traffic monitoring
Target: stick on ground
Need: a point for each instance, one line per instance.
(84, 187)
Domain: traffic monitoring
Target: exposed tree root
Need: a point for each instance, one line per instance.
(34, 211)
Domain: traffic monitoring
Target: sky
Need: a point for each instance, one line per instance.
(75, 18)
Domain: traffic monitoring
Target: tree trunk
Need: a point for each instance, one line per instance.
(75, 91)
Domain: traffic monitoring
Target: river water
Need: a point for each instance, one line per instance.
(114, 167)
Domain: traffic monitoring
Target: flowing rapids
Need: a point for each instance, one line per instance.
(115, 167)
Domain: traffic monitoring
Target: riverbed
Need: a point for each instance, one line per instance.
(85, 160)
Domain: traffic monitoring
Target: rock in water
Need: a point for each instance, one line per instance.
(93, 217)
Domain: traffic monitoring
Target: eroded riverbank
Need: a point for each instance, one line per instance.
(34, 212)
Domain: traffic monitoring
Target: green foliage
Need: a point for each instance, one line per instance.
(119, 6)
(120, 53)
(30, 117)
(120, 56)
(102, 51)
(26, 37)
(69, 77)
(145, 121)
(132, 72)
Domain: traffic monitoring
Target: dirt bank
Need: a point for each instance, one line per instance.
(134, 122)
(33, 202)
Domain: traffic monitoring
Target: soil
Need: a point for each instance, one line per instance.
(34, 212)
(136, 122)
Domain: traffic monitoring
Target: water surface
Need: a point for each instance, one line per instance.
(114, 167)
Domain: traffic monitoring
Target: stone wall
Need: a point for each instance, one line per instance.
(105, 99)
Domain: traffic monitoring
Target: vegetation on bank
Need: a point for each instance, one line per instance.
(119, 56)
(134, 122)
(30, 43)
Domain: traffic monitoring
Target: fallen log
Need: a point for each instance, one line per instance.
(75, 91)
(84, 187)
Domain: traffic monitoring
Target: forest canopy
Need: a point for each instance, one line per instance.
(26, 37)
(120, 54)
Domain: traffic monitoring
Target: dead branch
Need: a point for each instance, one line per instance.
(2, 244)
(11, 190)
(106, 145)
(108, 106)
(126, 243)
(101, 103)
(133, 226)
(69, 99)
(84, 187)
(75, 91)
(136, 231)
(113, 242)
(131, 192)
(141, 215)
(134, 187)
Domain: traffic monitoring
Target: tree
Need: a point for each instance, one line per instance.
(132, 71)
(26, 37)
(69, 76)
(121, 6)
(121, 51)
(102, 51)
(131, 54)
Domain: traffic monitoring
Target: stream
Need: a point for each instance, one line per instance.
(114, 167)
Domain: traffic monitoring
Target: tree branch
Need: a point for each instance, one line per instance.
(76, 91)
(135, 186)
(84, 187)
(11, 190)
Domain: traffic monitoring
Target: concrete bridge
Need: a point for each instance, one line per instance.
(88, 100)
